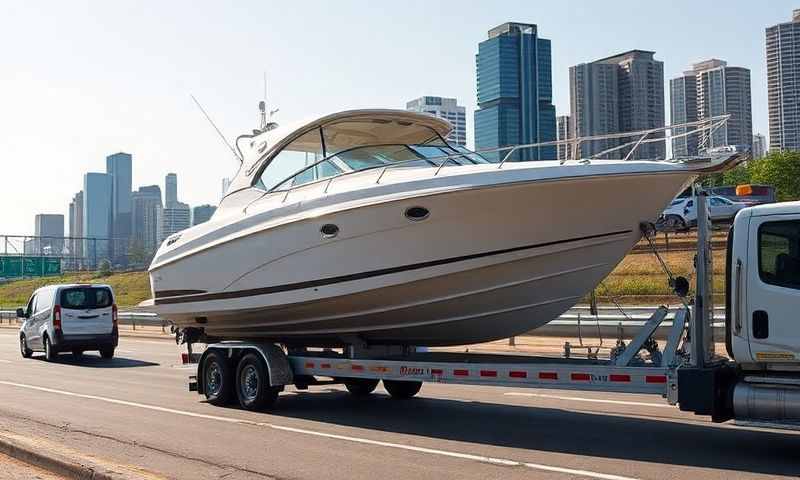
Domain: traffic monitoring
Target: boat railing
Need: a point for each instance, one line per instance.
(704, 128)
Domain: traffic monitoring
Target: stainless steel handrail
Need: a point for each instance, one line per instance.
(711, 124)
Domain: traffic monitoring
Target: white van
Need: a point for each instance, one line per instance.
(74, 318)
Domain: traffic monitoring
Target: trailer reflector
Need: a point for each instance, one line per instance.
(324, 365)
(548, 376)
(309, 364)
(619, 378)
(461, 373)
(488, 373)
(357, 368)
(518, 374)
(437, 371)
(580, 377)
(655, 379)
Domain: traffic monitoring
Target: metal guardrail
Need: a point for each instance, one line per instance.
(578, 318)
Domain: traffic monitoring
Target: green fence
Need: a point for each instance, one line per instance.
(16, 266)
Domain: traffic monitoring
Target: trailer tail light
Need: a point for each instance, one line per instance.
(57, 317)
(114, 315)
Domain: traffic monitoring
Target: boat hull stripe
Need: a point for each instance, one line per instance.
(203, 297)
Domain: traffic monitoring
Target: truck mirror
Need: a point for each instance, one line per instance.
(20, 313)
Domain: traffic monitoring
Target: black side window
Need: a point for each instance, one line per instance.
(779, 253)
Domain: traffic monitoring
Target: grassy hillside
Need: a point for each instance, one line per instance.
(637, 280)
(130, 287)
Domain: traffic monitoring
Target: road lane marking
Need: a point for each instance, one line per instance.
(365, 441)
(591, 400)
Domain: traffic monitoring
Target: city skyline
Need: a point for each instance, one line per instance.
(139, 101)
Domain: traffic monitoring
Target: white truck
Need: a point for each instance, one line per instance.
(757, 382)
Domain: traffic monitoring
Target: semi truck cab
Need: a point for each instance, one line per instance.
(763, 288)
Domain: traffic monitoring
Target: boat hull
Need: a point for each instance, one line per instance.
(487, 263)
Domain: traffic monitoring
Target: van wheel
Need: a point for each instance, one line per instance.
(217, 379)
(49, 354)
(252, 384)
(23, 347)
(107, 353)
(401, 389)
(360, 387)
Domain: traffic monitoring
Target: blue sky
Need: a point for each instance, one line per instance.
(81, 80)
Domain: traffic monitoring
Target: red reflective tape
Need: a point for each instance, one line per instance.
(437, 371)
(357, 367)
(184, 358)
(548, 376)
(309, 364)
(324, 365)
(488, 373)
(619, 378)
(461, 373)
(580, 377)
(517, 374)
(655, 379)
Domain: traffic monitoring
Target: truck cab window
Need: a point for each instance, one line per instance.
(779, 253)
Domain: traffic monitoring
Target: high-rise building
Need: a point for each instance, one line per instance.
(759, 145)
(76, 225)
(620, 93)
(202, 214)
(711, 89)
(446, 108)
(174, 218)
(146, 211)
(683, 109)
(119, 166)
(515, 92)
(783, 84)
(171, 190)
(97, 188)
(51, 227)
(564, 128)
(226, 184)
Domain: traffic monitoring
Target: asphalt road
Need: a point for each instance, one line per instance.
(135, 412)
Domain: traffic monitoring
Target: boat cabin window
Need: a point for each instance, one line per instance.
(304, 151)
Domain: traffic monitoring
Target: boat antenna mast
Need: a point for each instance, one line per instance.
(224, 140)
(266, 119)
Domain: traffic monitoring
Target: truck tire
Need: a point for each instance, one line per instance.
(401, 389)
(360, 387)
(217, 379)
(23, 347)
(49, 354)
(252, 384)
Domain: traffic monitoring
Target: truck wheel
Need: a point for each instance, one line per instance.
(217, 379)
(401, 389)
(361, 386)
(23, 347)
(252, 384)
(107, 353)
(49, 354)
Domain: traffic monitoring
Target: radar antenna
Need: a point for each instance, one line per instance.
(265, 125)
(224, 140)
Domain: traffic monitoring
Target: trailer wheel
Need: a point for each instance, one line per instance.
(252, 384)
(360, 387)
(217, 379)
(401, 389)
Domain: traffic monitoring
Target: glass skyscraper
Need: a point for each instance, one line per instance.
(119, 166)
(97, 188)
(515, 92)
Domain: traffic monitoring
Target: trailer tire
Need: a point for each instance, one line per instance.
(401, 389)
(361, 387)
(217, 379)
(252, 384)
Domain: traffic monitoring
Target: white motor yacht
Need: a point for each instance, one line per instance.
(367, 226)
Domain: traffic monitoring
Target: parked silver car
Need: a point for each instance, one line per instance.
(682, 212)
(74, 318)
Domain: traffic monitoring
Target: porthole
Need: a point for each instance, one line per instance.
(417, 213)
(329, 230)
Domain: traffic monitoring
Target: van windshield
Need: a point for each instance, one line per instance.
(82, 298)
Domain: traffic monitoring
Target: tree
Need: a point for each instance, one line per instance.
(781, 170)
(104, 269)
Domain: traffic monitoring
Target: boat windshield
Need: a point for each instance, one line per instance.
(302, 162)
